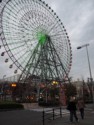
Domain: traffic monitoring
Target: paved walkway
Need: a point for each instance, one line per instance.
(26, 117)
(89, 120)
(20, 117)
(30, 117)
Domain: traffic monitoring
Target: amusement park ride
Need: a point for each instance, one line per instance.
(35, 40)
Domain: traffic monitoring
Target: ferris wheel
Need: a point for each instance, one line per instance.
(35, 39)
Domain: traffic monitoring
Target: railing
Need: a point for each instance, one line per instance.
(51, 114)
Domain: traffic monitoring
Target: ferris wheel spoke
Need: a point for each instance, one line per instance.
(20, 57)
(50, 69)
(58, 35)
(17, 47)
(36, 63)
(13, 43)
(37, 20)
(6, 18)
(23, 61)
(29, 15)
(59, 59)
(52, 35)
(33, 55)
(7, 11)
(17, 53)
(13, 25)
(24, 41)
(56, 65)
(55, 39)
(53, 27)
(15, 4)
(29, 60)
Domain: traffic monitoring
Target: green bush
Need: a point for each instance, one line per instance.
(11, 106)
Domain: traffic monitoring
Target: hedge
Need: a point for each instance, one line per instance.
(11, 106)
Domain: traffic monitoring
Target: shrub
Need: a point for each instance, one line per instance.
(11, 106)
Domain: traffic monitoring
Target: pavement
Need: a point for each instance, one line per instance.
(88, 120)
(32, 115)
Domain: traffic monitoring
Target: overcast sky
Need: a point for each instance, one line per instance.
(78, 19)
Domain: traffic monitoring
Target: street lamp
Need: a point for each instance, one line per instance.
(4, 76)
(79, 47)
(3, 82)
(2, 89)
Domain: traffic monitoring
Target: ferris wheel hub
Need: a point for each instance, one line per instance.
(42, 38)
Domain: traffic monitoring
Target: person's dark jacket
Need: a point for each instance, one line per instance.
(72, 106)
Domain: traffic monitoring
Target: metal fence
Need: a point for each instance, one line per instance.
(51, 115)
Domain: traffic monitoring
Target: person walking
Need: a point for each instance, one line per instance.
(81, 106)
(72, 108)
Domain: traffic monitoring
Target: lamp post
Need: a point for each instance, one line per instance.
(86, 46)
(4, 76)
(3, 82)
(2, 89)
